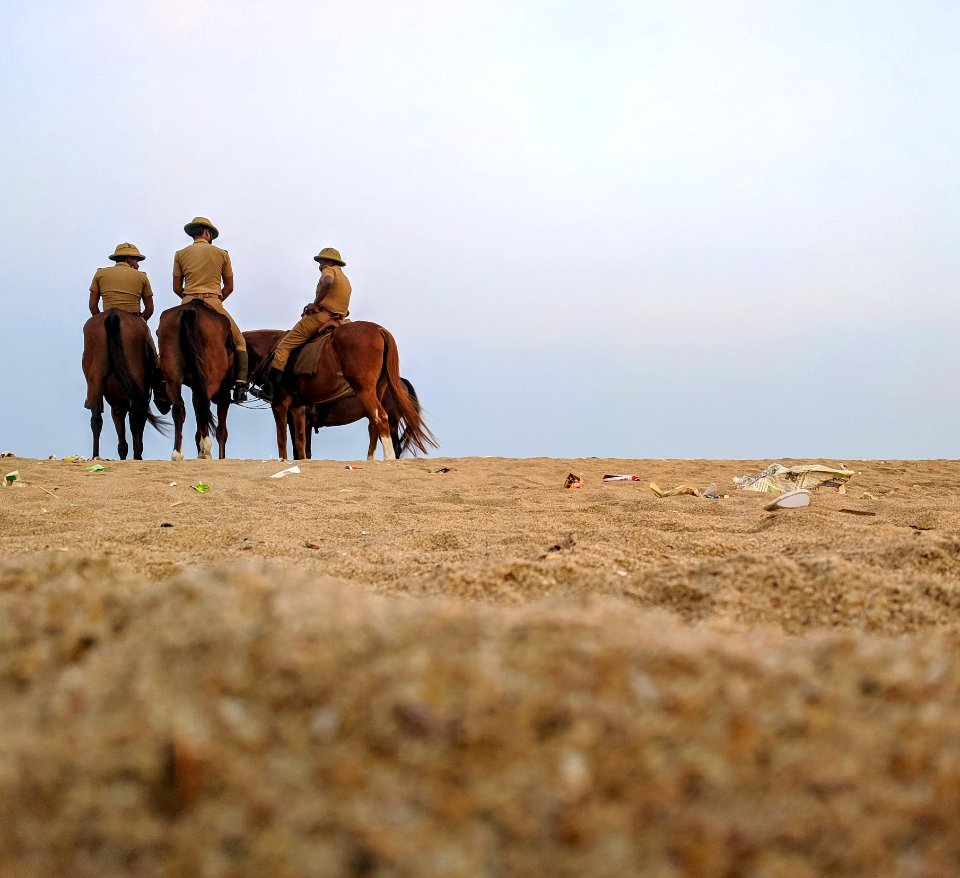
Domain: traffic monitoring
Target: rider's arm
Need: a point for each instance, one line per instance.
(147, 308)
(95, 295)
(177, 276)
(323, 288)
(227, 287)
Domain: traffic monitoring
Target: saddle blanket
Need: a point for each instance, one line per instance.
(306, 362)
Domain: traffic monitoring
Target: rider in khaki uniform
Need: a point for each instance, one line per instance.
(197, 274)
(124, 286)
(332, 303)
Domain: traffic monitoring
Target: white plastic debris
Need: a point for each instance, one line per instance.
(289, 471)
(789, 500)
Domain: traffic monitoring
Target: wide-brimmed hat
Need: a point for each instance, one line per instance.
(331, 254)
(198, 224)
(122, 251)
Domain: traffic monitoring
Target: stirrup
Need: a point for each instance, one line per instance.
(239, 392)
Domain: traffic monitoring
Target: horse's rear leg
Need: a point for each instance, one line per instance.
(374, 437)
(179, 412)
(96, 423)
(379, 425)
(222, 408)
(138, 420)
(119, 413)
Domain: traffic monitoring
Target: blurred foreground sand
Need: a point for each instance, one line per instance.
(398, 671)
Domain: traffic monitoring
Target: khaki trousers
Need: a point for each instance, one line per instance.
(300, 333)
(212, 300)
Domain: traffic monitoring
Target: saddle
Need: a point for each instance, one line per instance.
(305, 361)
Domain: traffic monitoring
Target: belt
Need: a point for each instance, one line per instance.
(204, 295)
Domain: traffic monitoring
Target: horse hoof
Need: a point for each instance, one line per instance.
(176, 456)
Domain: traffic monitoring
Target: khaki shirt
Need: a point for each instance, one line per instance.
(121, 286)
(337, 299)
(201, 265)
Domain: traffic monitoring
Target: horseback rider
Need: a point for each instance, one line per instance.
(123, 286)
(330, 306)
(197, 273)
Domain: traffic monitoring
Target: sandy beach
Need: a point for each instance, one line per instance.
(457, 667)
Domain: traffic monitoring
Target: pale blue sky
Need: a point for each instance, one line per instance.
(639, 229)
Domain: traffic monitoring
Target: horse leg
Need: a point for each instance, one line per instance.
(204, 443)
(299, 432)
(222, 408)
(374, 436)
(96, 423)
(280, 410)
(138, 420)
(379, 425)
(119, 414)
(179, 411)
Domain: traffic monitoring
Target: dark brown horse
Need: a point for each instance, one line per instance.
(366, 356)
(348, 410)
(196, 349)
(119, 367)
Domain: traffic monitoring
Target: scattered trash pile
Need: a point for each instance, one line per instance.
(791, 484)
(778, 479)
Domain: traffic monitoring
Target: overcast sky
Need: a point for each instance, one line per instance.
(684, 228)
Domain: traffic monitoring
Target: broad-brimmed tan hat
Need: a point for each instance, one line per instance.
(198, 224)
(122, 251)
(331, 254)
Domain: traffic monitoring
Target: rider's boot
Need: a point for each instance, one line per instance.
(271, 386)
(240, 385)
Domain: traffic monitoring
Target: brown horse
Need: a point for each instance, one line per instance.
(119, 366)
(346, 410)
(196, 349)
(366, 356)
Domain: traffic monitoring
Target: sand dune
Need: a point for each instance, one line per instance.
(401, 671)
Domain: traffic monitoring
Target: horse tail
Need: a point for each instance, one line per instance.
(138, 396)
(416, 434)
(415, 402)
(191, 344)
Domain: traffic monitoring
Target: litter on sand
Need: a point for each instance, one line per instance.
(289, 471)
(200, 488)
(6, 454)
(76, 458)
(96, 468)
(674, 492)
(573, 481)
(621, 478)
(348, 466)
(790, 500)
(778, 479)
(11, 479)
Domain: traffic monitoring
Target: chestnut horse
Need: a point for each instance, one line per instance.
(119, 366)
(366, 355)
(196, 349)
(346, 410)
